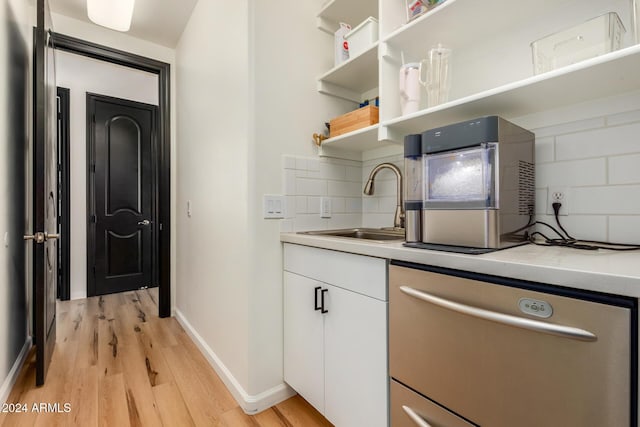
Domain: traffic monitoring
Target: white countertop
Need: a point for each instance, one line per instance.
(603, 271)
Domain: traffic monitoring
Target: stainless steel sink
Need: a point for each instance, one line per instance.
(374, 234)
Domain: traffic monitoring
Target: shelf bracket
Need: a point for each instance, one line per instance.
(324, 151)
(385, 51)
(326, 25)
(338, 91)
(385, 133)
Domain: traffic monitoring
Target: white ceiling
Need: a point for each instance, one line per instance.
(158, 21)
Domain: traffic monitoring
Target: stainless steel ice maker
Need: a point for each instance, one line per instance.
(478, 183)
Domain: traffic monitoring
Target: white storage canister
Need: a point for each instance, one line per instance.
(362, 37)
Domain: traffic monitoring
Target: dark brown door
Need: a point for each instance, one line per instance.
(45, 200)
(121, 194)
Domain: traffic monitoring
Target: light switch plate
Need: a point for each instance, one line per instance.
(274, 206)
(325, 207)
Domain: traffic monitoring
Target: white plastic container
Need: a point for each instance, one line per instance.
(362, 37)
(341, 45)
(595, 37)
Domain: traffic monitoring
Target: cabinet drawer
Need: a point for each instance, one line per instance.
(362, 274)
(404, 400)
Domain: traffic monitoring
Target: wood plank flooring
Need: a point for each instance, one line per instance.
(117, 364)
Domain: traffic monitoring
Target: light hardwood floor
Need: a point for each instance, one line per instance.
(117, 364)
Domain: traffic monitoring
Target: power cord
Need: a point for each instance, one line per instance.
(567, 240)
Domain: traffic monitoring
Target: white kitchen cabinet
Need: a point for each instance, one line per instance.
(304, 340)
(337, 359)
(492, 69)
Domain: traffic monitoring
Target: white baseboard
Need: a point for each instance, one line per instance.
(249, 404)
(12, 376)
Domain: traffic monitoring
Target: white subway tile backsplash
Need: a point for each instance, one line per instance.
(288, 162)
(289, 182)
(344, 188)
(301, 205)
(606, 200)
(311, 187)
(313, 165)
(345, 221)
(623, 118)
(354, 205)
(370, 204)
(387, 204)
(573, 173)
(384, 188)
(541, 201)
(602, 142)
(334, 172)
(313, 205)
(624, 169)
(545, 148)
(585, 227)
(309, 223)
(570, 127)
(338, 205)
(301, 163)
(290, 207)
(624, 229)
(353, 173)
(377, 220)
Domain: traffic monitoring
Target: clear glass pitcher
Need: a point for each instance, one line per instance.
(437, 82)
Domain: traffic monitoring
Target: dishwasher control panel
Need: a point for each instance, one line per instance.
(535, 307)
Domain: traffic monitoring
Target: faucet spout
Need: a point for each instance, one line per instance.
(398, 220)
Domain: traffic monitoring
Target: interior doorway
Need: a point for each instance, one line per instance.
(64, 208)
(121, 195)
(162, 215)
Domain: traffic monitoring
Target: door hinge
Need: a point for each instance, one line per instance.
(93, 168)
(94, 219)
(93, 118)
(94, 271)
(160, 226)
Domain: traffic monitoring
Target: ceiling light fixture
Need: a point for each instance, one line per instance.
(114, 14)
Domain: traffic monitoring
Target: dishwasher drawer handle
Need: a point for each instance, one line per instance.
(507, 319)
(415, 417)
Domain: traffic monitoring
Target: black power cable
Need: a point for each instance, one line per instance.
(567, 240)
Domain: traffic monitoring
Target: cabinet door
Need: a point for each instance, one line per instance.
(303, 339)
(355, 359)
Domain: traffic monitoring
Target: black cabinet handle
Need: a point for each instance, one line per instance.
(315, 298)
(322, 300)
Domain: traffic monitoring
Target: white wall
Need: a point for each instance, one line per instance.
(213, 133)
(16, 22)
(288, 51)
(82, 75)
(240, 106)
(122, 41)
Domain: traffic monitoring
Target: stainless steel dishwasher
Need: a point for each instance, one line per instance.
(467, 349)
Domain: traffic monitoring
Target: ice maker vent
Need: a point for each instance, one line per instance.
(526, 198)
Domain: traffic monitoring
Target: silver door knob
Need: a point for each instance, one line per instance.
(144, 222)
(41, 237)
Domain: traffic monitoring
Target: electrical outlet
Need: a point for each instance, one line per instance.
(558, 195)
(273, 206)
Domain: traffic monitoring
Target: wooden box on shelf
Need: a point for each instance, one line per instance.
(360, 118)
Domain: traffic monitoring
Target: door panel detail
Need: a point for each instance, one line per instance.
(123, 254)
(124, 168)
